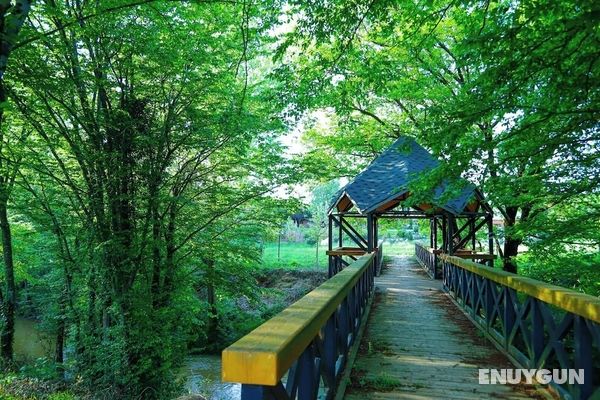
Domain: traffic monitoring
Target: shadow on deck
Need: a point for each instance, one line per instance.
(419, 345)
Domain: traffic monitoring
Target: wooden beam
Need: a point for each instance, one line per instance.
(344, 204)
(347, 226)
(466, 239)
(346, 251)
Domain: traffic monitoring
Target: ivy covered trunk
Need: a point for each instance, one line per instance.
(9, 299)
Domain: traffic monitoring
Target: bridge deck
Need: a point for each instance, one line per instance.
(418, 345)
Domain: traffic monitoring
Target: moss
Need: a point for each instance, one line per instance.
(379, 383)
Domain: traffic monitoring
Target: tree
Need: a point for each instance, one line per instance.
(145, 136)
(322, 197)
(505, 92)
(12, 18)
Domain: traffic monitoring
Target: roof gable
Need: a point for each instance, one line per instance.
(388, 177)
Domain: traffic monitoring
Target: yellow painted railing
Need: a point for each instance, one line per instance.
(569, 300)
(334, 308)
(538, 325)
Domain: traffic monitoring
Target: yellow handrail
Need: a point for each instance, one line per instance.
(264, 355)
(569, 300)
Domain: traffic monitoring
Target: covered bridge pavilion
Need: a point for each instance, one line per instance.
(381, 191)
(403, 335)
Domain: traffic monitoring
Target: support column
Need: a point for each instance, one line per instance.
(431, 230)
(330, 243)
(490, 225)
(444, 234)
(375, 231)
(340, 232)
(370, 233)
(472, 229)
(435, 232)
(450, 228)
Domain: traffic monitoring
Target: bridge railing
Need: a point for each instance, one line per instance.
(338, 263)
(428, 260)
(538, 325)
(301, 352)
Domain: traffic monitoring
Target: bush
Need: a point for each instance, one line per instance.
(571, 270)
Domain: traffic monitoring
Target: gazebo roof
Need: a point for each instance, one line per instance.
(386, 181)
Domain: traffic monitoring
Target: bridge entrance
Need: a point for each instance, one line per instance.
(391, 187)
(414, 350)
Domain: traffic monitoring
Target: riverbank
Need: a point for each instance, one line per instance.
(200, 373)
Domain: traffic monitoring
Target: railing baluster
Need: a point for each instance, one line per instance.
(307, 384)
(583, 357)
(537, 333)
(508, 316)
(329, 352)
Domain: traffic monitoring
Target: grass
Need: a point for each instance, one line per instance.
(302, 255)
(400, 248)
(382, 382)
(293, 256)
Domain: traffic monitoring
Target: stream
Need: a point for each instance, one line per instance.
(202, 372)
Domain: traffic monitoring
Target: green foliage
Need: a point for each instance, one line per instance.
(292, 255)
(140, 151)
(141, 146)
(580, 272)
(506, 93)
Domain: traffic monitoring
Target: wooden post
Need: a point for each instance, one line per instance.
(330, 232)
(330, 259)
(444, 234)
(375, 231)
(370, 233)
(340, 232)
(450, 228)
(435, 229)
(490, 224)
(431, 229)
(472, 229)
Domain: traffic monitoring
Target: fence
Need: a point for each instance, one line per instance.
(428, 260)
(301, 352)
(538, 325)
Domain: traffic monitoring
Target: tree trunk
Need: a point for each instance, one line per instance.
(317, 252)
(60, 343)
(213, 317)
(10, 300)
(511, 247)
(511, 244)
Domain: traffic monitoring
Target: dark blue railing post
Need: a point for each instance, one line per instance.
(537, 333)
(330, 350)
(508, 316)
(260, 392)
(583, 357)
(490, 288)
(308, 370)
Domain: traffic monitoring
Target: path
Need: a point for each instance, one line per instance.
(419, 345)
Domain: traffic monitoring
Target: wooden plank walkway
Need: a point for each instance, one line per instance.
(418, 345)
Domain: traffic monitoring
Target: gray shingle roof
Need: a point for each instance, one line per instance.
(390, 175)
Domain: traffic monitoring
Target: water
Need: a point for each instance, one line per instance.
(30, 343)
(204, 377)
(202, 372)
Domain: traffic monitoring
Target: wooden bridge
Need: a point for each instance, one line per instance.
(425, 326)
(425, 338)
